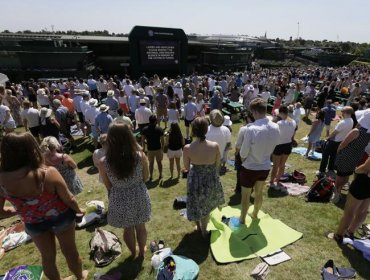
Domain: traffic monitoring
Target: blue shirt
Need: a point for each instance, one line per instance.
(190, 111)
(216, 102)
(239, 82)
(329, 114)
(102, 122)
(112, 103)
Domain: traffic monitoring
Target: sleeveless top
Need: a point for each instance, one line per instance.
(38, 208)
(70, 176)
(47, 128)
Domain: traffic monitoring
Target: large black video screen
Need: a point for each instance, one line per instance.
(159, 52)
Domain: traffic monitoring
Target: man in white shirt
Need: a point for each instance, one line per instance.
(133, 101)
(334, 140)
(142, 115)
(190, 112)
(265, 95)
(102, 87)
(90, 115)
(128, 88)
(260, 139)
(219, 133)
(31, 119)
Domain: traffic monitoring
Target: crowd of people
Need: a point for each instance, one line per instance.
(134, 122)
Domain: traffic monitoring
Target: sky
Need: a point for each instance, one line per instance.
(334, 20)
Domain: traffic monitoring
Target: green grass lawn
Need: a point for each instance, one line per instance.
(308, 254)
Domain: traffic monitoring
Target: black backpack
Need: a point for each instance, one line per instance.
(321, 190)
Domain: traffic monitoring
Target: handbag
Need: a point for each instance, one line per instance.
(260, 271)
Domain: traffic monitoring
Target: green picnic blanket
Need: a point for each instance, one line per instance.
(256, 238)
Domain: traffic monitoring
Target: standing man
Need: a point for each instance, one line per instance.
(260, 139)
(31, 119)
(61, 115)
(142, 115)
(112, 103)
(161, 104)
(190, 112)
(153, 135)
(103, 120)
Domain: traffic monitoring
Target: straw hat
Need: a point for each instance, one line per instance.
(216, 118)
(142, 101)
(45, 112)
(93, 102)
(110, 93)
(103, 108)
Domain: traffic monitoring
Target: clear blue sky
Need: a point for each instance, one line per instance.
(319, 19)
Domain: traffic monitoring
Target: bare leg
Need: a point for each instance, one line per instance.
(281, 169)
(275, 167)
(178, 167)
(246, 195)
(352, 205)
(172, 161)
(130, 239)
(361, 215)
(258, 190)
(308, 149)
(203, 225)
(151, 166)
(340, 181)
(187, 132)
(45, 242)
(159, 163)
(141, 235)
(68, 246)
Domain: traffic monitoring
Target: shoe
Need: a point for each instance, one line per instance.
(282, 188)
(331, 272)
(274, 187)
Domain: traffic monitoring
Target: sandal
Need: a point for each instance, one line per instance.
(160, 244)
(153, 246)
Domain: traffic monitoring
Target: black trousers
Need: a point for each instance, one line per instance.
(329, 155)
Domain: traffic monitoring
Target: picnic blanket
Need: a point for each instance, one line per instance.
(302, 151)
(295, 189)
(258, 237)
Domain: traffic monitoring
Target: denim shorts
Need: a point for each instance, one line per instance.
(55, 225)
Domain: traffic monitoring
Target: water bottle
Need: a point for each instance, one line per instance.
(234, 223)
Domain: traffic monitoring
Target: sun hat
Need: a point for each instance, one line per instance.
(103, 108)
(216, 118)
(93, 102)
(364, 120)
(110, 93)
(178, 84)
(45, 112)
(227, 121)
(142, 101)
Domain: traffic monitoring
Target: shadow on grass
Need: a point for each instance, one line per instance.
(152, 184)
(169, 183)
(235, 199)
(129, 268)
(357, 261)
(307, 121)
(274, 193)
(193, 246)
(86, 162)
(92, 170)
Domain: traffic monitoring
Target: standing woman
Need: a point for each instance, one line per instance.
(204, 188)
(124, 171)
(287, 127)
(278, 99)
(315, 132)
(200, 105)
(175, 143)
(14, 106)
(32, 97)
(63, 163)
(41, 198)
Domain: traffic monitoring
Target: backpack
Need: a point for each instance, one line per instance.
(105, 247)
(177, 268)
(321, 190)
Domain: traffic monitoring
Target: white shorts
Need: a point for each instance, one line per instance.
(174, 154)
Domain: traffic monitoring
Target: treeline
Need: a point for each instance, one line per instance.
(71, 32)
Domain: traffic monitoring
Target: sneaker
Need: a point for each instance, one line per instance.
(282, 188)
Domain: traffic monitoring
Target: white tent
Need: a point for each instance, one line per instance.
(3, 78)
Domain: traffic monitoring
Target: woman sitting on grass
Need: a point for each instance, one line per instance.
(205, 191)
(124, 171)
(42, 199)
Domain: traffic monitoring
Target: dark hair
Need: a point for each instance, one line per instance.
(259, 105)
(122, 150)
(199, 128)
(20, 150)
(283, 109)
(153, 119)
(120, 111)
(320, 115)
(170, 92)
(175, 133)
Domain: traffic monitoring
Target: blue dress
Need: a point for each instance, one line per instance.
(316, 133)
